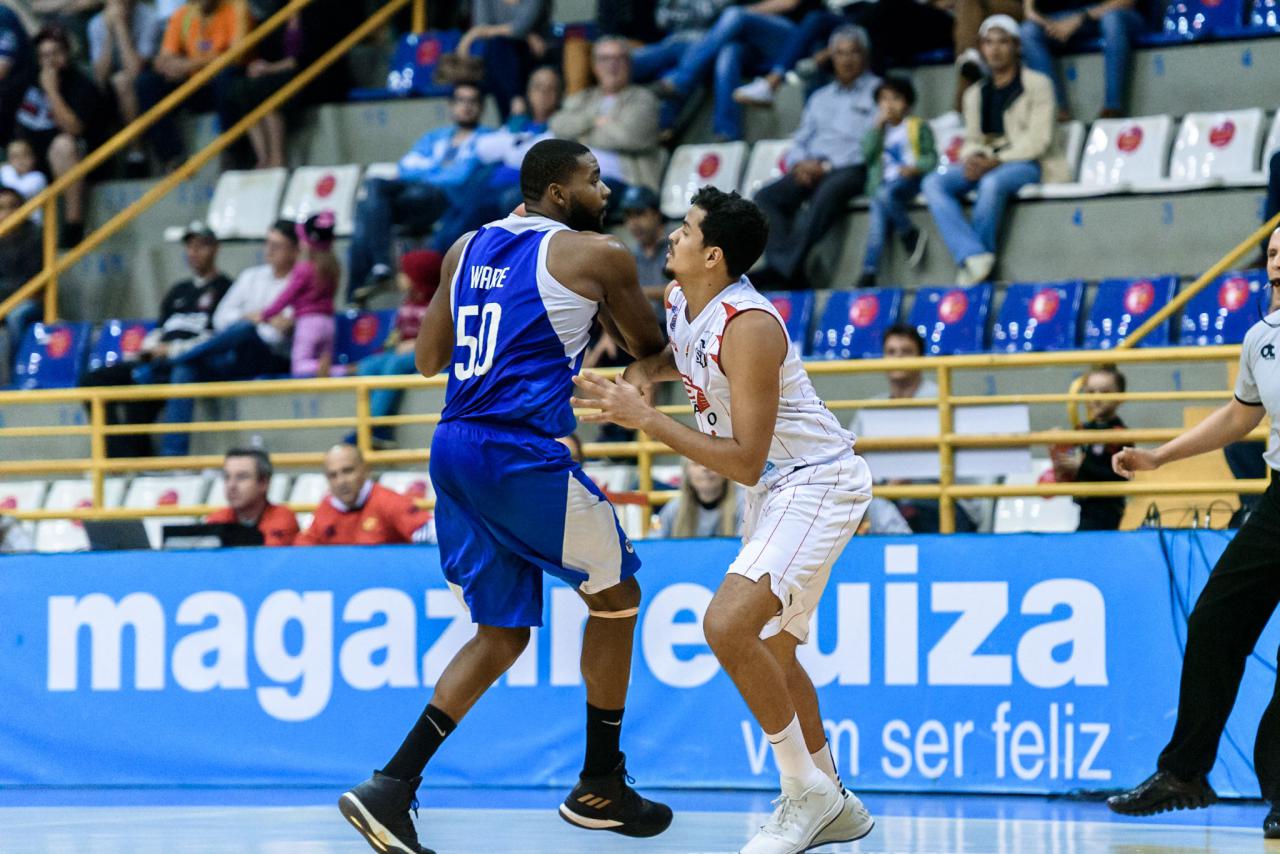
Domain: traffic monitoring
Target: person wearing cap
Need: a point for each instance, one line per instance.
(1055, 26)
(186, 319)
(825, 163)
(1008, 140)
(645, 225)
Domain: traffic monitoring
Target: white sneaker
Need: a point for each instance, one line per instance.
(800, 815)
(757, 93)
(853, 823)
(976, 269)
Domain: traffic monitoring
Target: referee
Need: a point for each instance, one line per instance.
(1242, 592)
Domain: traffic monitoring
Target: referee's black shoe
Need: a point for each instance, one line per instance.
(379, 809)
(1162, 792)
(609, 803)
(1271, 824)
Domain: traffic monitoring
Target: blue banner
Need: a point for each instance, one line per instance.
(1014, 663)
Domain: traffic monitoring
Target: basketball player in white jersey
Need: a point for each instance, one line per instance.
(760, 423)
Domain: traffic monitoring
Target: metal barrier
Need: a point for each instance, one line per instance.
(98, 466)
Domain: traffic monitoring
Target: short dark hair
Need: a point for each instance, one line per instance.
(903, 330)
(260, 458)
(551, 161)
(1112, 370)
(899, 85)
(288, 228)
(734, 224)
(9, 191)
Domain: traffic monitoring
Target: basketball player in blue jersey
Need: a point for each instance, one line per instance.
(511, 328)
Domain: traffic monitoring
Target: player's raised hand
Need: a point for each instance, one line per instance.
(1129, 460)
(619, 402)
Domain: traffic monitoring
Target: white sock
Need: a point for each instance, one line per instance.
(792, 756)
(827, 764)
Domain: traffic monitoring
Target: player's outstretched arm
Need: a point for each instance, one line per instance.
(1227, 424)
(434, 348)
(753, 350)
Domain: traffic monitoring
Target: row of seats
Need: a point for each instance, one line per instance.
(1137, 155)
(952, 320)
(55, 355)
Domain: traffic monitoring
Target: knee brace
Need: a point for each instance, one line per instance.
(624, 614)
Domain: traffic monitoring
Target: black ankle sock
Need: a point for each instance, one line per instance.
(432, 728)
(604, 731)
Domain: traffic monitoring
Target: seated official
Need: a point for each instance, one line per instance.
(246, 475)
(358, 511)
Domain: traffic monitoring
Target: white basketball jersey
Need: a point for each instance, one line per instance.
(806, 432)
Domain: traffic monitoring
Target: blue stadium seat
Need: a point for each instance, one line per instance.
(1192, 20)
(1264, 15)
(1120, 306)
(952, 320)
(796, 308)
(1038, 317)
(1223, 312)
(413, 66)
(51, 356)
(118, 340)
(360, 334)
(854, 322)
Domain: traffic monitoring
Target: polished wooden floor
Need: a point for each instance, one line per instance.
(107, 823)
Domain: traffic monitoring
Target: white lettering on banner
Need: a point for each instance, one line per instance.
(1025, 741)
(661, 634)
(442, 604)
(757, 744)
(396, 637)
(106, 621)
(1085, 630)
(569, 615)
(931, 739)
(842, 738)
(226, 640)
(849, 663)
(311, 667)
(955, 660)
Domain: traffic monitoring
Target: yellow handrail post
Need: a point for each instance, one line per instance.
(946, 453)
(644, 463)
(364, 436)
(419, 16)
(97, 446)
(51, 258)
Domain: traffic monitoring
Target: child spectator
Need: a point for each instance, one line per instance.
(20, 172)
(1092, 463)
(310, 292)
(419, 277)
(898, 151)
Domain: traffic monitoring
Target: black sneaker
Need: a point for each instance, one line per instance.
(1271, 824)
(379, 809)
(1162, 792)
(609, 803)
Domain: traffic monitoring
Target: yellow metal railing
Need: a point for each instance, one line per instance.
(47, 200)
(947, 442)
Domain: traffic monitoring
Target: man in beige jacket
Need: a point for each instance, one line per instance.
(616, 120)
(1008, 128)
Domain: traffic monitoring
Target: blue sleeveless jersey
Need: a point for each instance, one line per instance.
(519, 335)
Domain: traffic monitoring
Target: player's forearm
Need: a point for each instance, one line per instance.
(1228, 424)
(658, 368)
(725, 456)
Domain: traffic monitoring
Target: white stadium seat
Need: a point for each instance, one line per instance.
(159, 491)
(317, 188)
(1121, 155)
(67, 535)
(244, 204)
(765, 165)
(23, 495)
(948, 137)
(1026, 513)
(694, 166)
(411, 483)
(1258, 178)
(1068, 143)
(308, 489)
(1214, 148)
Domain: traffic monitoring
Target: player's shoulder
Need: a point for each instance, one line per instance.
(590, 244)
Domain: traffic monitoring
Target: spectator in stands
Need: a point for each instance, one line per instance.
(899, 152)
(240, 348)
(684, 22)
(970, 67)
(123, 40)
(1272, 205)
(1052, 26)
(61, 117)
(440, 165)
(310, 292)
(632, 20)
(645, 224)
(22, 171)
(196, 35)
(616, 119)
(1092, 463)
(825, 166)
(358, 511)
(511, 37)
(246, 478)
(14, 538)
(902, 341)
(708, 505)
(1008, 128)
(418, 280)
(186, 319)
(21, 259)
(17, 68)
